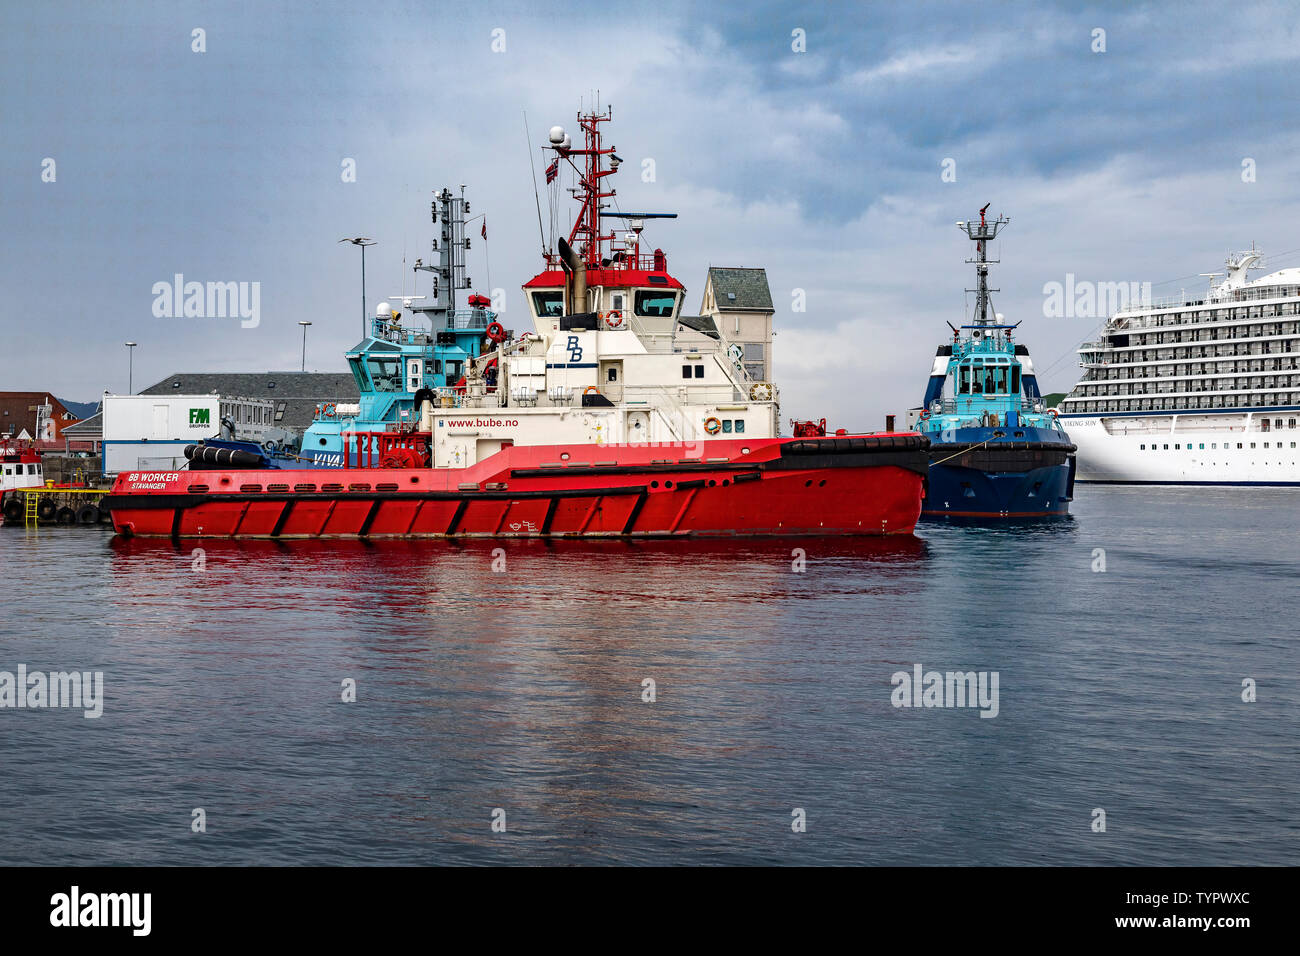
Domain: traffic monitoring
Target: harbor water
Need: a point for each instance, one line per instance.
(513, 687)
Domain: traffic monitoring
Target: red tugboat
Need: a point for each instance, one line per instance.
(613, 415)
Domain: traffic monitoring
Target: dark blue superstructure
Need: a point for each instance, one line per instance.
(995, 451)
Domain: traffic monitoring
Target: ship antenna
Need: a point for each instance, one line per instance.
(536, 197)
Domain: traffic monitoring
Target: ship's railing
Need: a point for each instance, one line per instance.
(470, 318)
(660, 399)
(1212, 299)
(974, 407)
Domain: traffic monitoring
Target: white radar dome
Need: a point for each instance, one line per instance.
(557, 135)
(383, 310)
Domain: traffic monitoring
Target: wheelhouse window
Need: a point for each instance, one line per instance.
(359, 374)
(549, 304)
(386, 373)
(978, 377)
(657, 303)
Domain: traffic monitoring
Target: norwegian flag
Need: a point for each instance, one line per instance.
(552, 171)
(485, 227)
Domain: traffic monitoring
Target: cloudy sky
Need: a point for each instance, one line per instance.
(825, 166)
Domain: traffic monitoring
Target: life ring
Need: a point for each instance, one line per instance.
(925, 414)
(712, 425)
(614, 320)
(760, 392)
(590, 390)
(1053, 412)
(329, 410)
(496, 332)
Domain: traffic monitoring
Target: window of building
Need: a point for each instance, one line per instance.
(699, 371)
(726, 425)
(686, 371)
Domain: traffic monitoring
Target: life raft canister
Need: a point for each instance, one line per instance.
(712, 425)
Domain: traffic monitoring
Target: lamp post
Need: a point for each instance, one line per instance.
(130, 368)
(304, 344)
(362, 241)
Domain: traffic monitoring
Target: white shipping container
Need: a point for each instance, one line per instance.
(185, 418)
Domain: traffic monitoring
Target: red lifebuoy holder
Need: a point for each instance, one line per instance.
(496, 332)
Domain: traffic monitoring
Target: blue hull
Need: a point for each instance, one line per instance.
(1030, 478)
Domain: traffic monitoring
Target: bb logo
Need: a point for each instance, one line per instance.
(574, 349)
(134, 476)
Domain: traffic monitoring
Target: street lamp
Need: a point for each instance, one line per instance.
(304, 344)
(130, 368)
(362, 241)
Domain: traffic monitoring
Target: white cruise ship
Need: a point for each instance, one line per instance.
(1195, 392)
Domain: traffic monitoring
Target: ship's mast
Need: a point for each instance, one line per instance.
(586, 236)
(449, 273)
(980, 233)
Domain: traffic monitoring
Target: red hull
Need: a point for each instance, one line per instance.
(860, 485)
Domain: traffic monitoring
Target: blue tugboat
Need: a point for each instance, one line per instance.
(397, 367)
(995, 451)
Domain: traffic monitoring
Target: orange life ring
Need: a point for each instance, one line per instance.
(330, 409)
(925, 413)
(1053, 412)
(590, 390)
(496, 332)
(712, 425)
(614, 319)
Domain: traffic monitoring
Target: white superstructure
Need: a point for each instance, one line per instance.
(577, 380)
(1202, 391)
